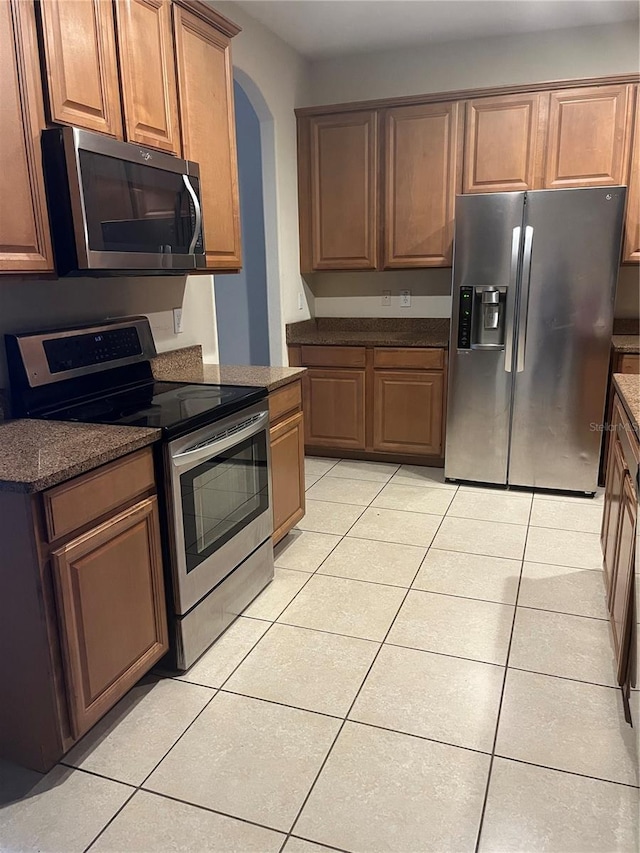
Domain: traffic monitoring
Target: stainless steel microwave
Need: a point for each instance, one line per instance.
(117, 208)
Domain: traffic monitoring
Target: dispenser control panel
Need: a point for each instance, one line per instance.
(464, 320)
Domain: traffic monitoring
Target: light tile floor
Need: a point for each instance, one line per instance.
(430, 670)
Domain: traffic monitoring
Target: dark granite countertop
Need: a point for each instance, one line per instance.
(371, 331)
(39, 454)
(628, 387)
(185, 365)
(629, 344)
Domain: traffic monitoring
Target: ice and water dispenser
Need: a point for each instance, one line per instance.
(482, 317)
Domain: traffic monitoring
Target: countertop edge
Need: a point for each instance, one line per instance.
(626, 403)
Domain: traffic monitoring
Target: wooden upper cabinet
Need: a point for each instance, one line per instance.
(338, 205)
(503, 150)
(422, 166)
(25, 242)
(588, 137)
(147, 65)
(631, 250)
(79, 41)
(205, 83)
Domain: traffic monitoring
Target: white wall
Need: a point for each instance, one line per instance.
(497, 61)
(28, 304)
(530, 58)
(281, 77)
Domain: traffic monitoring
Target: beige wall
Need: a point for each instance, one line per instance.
(498, 61)
(28, 304)
(580, 52)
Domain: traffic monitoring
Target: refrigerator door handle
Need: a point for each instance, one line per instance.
(511, 300)
(524, 296)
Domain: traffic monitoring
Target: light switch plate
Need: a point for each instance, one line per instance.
(300, 301)
(177, 321)
(386, 298)
(405, 299)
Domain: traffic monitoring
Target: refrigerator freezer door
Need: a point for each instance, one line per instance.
(487, 251)
(570, 268)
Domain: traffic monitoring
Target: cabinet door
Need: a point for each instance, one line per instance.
(205, 87)
(147, 65)
(631, 250)
(287, 474)
(502, 145)
(621, 603)
(112, 610)
(80, 52)
(407, 411)
(612, 500)
(25, 241)
(423, 161)
(339, 211)
(588, 137)
(334, 408)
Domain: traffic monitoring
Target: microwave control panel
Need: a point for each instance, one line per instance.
(85, 350)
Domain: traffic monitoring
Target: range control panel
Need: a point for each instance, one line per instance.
(464, 319)
(83, 350)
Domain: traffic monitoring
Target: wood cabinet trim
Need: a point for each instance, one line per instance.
(165, 138)
(62, 107)
(210, 16)
(22, 71)
(464, 94)
(85, 713)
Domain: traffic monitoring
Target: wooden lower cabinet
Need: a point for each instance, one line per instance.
(83, 611)
(392, 407)
(618, 535)
(407, 411)
(286, 438)
(113, 627)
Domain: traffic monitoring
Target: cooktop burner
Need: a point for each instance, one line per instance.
(174, 407)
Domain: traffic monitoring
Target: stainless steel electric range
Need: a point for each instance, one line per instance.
(213, 462)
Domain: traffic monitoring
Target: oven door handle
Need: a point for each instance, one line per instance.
(220, 442)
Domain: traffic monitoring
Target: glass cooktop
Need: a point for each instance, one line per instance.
(174, 407)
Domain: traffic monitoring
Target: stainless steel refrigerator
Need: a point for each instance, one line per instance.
(534, 280)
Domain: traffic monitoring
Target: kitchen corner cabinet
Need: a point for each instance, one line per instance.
(286, 438)
(382, 403)
(83, 605)
(422, 168)
(205, 84)
(147, 67)
(25, 241)
(338, 191)
(79, 41)
(503, 146)
(618, 535)
(588, 137)
(631, 248)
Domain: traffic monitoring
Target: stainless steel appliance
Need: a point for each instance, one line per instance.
(118, 207)
(534, 279)
(213, 462)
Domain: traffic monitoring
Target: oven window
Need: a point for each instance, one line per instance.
(131, 207)
(222, 495)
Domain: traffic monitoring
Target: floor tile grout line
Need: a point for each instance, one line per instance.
(111, 820)
(568, 772)
(502, 692)
(565, 678)
(155, 767)
(564, 613)
(344, 722)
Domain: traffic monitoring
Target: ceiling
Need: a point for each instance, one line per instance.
(324, 28)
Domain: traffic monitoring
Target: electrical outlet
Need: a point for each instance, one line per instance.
(177, 321)
(405, 299)
(300, 301)
(386, 298)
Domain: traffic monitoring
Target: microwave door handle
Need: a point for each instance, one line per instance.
(219, 444)
(198, 210)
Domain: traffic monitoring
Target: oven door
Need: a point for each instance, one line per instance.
(220, 503)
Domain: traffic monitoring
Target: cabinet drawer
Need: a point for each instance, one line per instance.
(629, 364)
(319, 356)
(408, 357)
(285, 400)
(71, 505)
